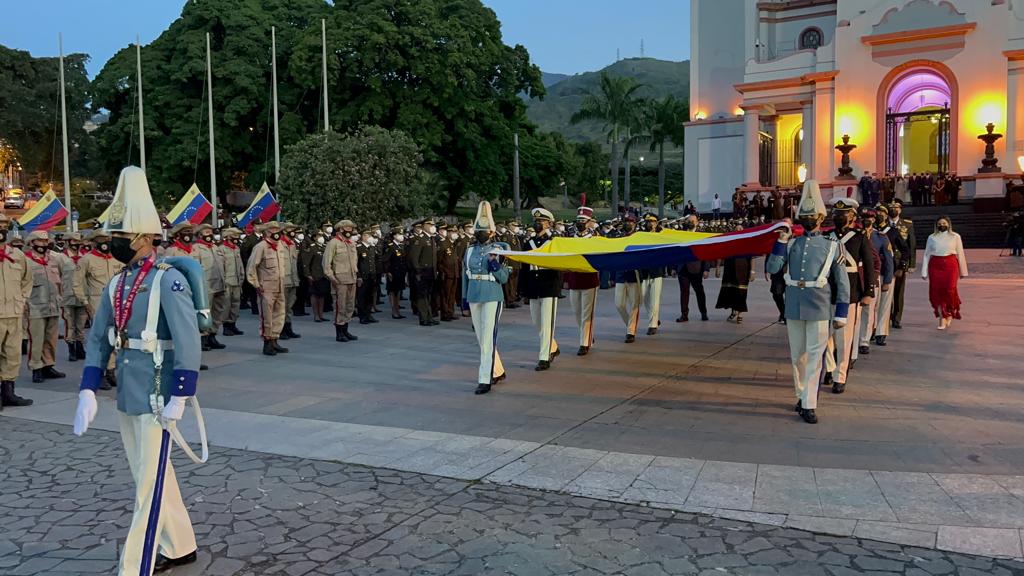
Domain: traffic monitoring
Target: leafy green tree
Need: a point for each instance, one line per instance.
(615, 105)
(368, 176)
(434, 69)
(665, 118)
(592, 175)
(174, 84)
(30, 111)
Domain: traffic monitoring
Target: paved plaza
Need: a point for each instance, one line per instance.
(694, 425)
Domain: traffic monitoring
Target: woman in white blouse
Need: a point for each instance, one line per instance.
(944, 265)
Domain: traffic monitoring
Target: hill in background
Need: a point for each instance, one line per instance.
(659, 77)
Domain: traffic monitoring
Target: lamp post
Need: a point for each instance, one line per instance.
(989, 163)
(845, 170)
(801, 173)
(640, 183)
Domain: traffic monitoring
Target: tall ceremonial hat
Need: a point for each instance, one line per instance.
(484, 221)
(811, 203)
(542, 214)
(133, 210)
(584, 214)
(845, 205)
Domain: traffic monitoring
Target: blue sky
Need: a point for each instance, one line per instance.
(566, 36)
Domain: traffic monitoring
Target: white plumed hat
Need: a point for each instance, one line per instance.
(484, 221)
(811, 203)
(133, 210)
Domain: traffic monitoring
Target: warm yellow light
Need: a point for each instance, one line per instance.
(1020, 162)
(986, 109)
(801, 172)
(852, 121)
(906, 169)
(739, 111)
(800, 136)
(699, 116)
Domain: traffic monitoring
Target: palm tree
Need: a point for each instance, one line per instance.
(637, 132)
(665, 117)
(613, 104)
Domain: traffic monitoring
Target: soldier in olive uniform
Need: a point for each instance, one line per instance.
(449, 270)
(341, 266)
(422, 268)
(312, 257)
(234, 276)
(907, 263)
(291, 279)
(212, 260)
(95, 270)
(76, 314)
(396, 269)
(16, 284)
(43, 308)
(366, 284)
(267, 267)
(250, 299)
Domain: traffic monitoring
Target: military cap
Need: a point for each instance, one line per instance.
(99, 235)
(289, 226)
(542, 214)
(344, 224)
(231, 232)
(897, 201)
(203, 228)
(845, 204)
(882, 207)
(181, 228)
(38, 235)
(74, 237)
(442, 225)
(268, 226)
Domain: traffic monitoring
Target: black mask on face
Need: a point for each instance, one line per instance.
(808, 222)
(346, 234)
(942, 227)
(74, 248)
(276, 236)
(840, 220)
(121, 249)
(3, 235)
(482, 237)
(60, 245)
(208, 239)
(186, 238)
(103, 248)
(40, 249)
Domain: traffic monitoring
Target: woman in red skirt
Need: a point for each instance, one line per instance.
(944, 265)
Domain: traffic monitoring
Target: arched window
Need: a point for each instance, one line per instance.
(811, 38)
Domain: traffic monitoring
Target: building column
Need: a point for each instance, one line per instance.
(1014, 115)
(824, 137)
(752, 152)
(807, 143)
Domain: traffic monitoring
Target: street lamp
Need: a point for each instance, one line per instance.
(640, 183)
(801, 173)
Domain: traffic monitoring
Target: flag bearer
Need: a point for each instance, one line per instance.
(542, 287)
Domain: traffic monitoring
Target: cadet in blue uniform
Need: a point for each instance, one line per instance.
(122, 316)
(815, 272)
(482, 280)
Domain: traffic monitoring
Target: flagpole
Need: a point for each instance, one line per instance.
(277, 134)
(142, 123)
(64, 131)
(323, 49)
(213, 162)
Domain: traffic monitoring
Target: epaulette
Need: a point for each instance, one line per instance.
(163, 266)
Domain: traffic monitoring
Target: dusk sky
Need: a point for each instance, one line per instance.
(566, 36)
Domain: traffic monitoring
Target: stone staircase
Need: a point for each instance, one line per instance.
(976, 230)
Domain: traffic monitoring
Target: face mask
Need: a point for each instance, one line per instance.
(103, 248)
(3, 235)
(320, 240)
(60, 245)
(41, 249)
(157, 242)
(208, 238)
(276, 236)
(399, 237)
(186, 239)
(74, 248)
(538, 228)
(482, 237)
(943, 228)
(454, 236)
(300, 237)
(431, 230)
(808, 223)
(217, 237)
(376, 233)
(122, 250)
(560, 229)
(840, 221)
(373, 241)
(346, 234)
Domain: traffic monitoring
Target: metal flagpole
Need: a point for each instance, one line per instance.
(213, 162)
(277, 135)
(515, 176)
(323, 49)
(142, 123)
(64, 130)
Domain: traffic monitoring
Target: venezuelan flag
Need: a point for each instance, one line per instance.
(647, 249)
(193, 208)
(264, 207)
(46, 214)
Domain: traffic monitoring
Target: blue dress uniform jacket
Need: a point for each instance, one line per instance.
(136, 372)
(478, 290)
(884, 248)
(806, 257)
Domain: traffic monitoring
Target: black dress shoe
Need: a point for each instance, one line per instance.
(683, 318)
(164, 563)
(268, 348)
(555, 354)
(542, 365)
(214, 343)
(828, 379)
(864, 350)
(110, 378)
(809, 416)
(37, 376)
(799, 407)
(583, 351)
(364, 321)
(50, 373)
(203, 367)
(425, 323)
(652, 331)
(630, 338)
(397, 317)
(498, 379)
(879, 340)
(838, 387)
(278, 348)
(896, 325)
(704, 317)
(482, 389)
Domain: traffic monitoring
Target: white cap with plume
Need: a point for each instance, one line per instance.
(811, 203)
(133, 210)
(484, 221)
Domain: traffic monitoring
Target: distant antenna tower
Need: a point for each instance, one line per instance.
(641, 47)
(618, 55)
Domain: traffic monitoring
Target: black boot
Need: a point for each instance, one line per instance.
(80, 350)
(9, 398)
(278, 348)
(111, 379)
(284, 333)
(205, 342)
(482, 389)
(288, 330)
(24, 347)
(214, 344)
(879, 340)
(809, 416)
(72, 352)
(268, 348)
(864, 350)
(50, 373)
(37, 376)
(339, 334)
(231, 330)
(349, 335)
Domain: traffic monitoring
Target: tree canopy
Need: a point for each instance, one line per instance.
(368, 176)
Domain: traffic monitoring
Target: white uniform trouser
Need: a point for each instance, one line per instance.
(627, 301)
(652, 301)
(583, 302)
(542, 312)
(883, 311)
(808, 340)
(485, 317)
(867, 319)
(844, 344)
(175, 538)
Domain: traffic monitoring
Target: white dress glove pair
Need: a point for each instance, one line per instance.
(87, 408)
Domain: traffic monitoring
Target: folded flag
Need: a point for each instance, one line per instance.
(647, 249)
(46, 213)
(264, 207)
(192, 208)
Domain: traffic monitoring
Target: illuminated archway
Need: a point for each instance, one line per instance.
(903, 87)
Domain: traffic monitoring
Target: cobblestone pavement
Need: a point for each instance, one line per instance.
(65, 505)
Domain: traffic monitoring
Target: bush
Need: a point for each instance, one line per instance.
(369, 176)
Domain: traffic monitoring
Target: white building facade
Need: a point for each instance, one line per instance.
(777, 84)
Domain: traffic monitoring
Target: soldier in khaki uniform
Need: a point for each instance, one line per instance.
(213, 269)
(75, 313)
(291, 279)
(234, 276)
(95, 269)
(341, 266)
(15, 289)
(266, 270)
(43, 308)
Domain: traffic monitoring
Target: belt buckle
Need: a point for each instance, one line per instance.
(801, 284)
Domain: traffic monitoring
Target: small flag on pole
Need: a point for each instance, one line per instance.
(193, 208)
(264, 207)
(47, 213)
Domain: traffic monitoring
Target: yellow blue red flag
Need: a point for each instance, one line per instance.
(46, 213)
(193, 208)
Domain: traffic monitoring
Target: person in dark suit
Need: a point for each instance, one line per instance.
(541, 287)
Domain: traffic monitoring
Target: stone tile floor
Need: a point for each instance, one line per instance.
(65, 504)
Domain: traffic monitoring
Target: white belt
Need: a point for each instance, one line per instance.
(140, 344)
(818, 283)
(482, 277)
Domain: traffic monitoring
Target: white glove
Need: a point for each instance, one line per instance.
(174, 409)
(785, 233)
(86, 411)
